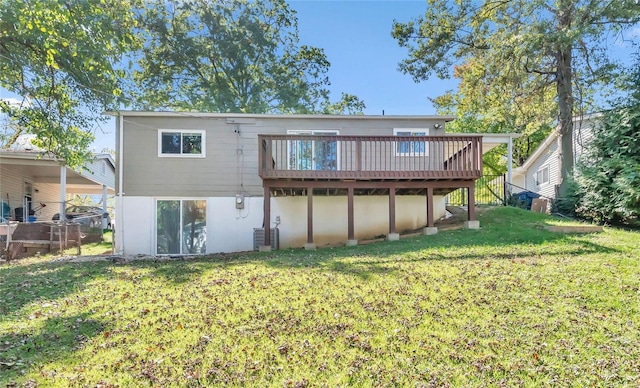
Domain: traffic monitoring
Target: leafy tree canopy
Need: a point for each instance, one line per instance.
(608, 174)
(231, 56)
(520, 55)
(485, 104)
(60, 59)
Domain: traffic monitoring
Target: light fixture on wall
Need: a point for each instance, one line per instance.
(437, 125)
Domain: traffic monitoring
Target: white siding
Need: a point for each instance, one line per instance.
(548, 158)
(582, 135)
(11, 187)
(49, 194)
(12, 191)
(135, 231)
(101, 171)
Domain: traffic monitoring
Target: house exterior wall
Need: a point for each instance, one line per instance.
(13, 192)
(582, 135)
(48, 194)
(230, 167)
(549, 159)
(230, 230)
(12, 186)
(231, 162)
(101, 171)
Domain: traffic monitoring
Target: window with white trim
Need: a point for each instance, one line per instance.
(411, 147)
(542, 175)
(181, 143)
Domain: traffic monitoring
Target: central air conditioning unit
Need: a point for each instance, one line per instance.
(258, 238)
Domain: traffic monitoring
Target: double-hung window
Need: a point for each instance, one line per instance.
(542, 176)
(411, 147)
(181, 143)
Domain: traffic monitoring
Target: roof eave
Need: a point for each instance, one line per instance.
(124, 113)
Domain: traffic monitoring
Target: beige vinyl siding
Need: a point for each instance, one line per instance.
(231, 162)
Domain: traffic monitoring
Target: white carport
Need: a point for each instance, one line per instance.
(34, 177)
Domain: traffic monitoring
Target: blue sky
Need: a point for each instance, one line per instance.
(356, 37)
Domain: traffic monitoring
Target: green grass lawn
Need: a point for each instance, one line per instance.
(510, 304)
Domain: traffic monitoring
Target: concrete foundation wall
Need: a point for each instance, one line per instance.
(231, 230)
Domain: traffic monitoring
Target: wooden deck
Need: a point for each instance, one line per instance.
(370, 158)
(368, 165)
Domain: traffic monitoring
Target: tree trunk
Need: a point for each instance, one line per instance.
(565, 107)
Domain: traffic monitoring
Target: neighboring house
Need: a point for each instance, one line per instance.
(29, 178)
(205, 182)
(540, 173)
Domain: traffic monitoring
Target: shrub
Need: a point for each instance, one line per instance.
(608, 174)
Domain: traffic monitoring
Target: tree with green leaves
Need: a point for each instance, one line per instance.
(231, 56)
(526, 47)
(485, 104)
(61, 59)
(608, 173)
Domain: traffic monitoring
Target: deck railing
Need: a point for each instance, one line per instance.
(369, 157)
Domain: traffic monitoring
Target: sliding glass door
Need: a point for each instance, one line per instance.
(313, 154)
(181, 226)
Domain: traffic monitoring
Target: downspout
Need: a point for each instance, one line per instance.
(119, 213)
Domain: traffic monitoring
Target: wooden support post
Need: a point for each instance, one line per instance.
(392, 210)
(309, 216)
(350, 228)
(430, 229)
(430, 215)
(471, 208)
(267, 219)
(310, 246)
(393, 236)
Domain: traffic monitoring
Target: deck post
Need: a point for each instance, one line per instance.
(393, 236)
(430, 229)
(266, 223)
(310, 246)
(351, 240)
(471, 223)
